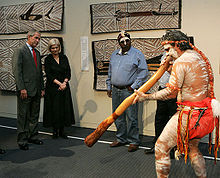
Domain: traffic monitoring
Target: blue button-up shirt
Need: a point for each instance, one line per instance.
(127, 69)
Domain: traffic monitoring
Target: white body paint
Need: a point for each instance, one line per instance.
(190, 75)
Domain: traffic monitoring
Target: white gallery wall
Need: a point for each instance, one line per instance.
(199, 19)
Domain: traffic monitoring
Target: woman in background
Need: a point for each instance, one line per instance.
(58, 107)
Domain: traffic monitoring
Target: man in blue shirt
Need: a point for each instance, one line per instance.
(127, 71)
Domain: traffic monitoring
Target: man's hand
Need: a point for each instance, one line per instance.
(140, 96)
(109, 93)
(23, 94)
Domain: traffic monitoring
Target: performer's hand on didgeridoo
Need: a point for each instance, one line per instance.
(140, 96)
(167, 58)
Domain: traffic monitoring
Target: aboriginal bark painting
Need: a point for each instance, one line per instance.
(42, 16)
(135, 15)
(7, 81)
(102, 50)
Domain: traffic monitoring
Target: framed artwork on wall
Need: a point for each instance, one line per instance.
(135, 15)
(42, 16)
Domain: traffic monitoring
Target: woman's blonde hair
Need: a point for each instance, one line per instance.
(52, 42)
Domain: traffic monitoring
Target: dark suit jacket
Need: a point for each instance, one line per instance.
(27, 76)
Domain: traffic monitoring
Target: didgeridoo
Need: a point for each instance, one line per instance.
(91, 139)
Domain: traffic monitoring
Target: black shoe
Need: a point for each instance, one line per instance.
(35, 141)
(63, 136)
(149, 151)
(2, 151)
(55, 134)
(23, 146)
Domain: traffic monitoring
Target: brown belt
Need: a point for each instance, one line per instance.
(121, 87)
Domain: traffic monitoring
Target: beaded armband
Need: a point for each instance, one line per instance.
(172, 87)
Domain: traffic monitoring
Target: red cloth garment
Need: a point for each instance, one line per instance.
(35, 57)
(199, 127)
(200, 122)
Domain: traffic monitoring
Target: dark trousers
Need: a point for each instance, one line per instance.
(27, 118)
(165, 110)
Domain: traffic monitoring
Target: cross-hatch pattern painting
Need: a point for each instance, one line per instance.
(135, 15)
(42, 16)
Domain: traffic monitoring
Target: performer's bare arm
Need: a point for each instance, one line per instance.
(164, 94)
(188, 74)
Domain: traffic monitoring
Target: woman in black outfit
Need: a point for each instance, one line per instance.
(58, 107)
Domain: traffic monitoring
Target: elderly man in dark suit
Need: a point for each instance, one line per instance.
(27, 71)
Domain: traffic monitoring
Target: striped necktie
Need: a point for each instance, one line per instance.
(35, 57)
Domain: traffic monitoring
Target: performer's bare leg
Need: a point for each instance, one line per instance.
(196, 158)
(164, 144)
(167, 141)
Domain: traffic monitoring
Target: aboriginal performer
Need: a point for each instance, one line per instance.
(197, 114)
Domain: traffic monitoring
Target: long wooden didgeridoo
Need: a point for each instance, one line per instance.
(104, 125)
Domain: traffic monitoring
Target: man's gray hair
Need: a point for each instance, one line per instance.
(32, 32)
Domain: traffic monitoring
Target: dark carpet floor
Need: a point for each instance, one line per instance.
(71, 158)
